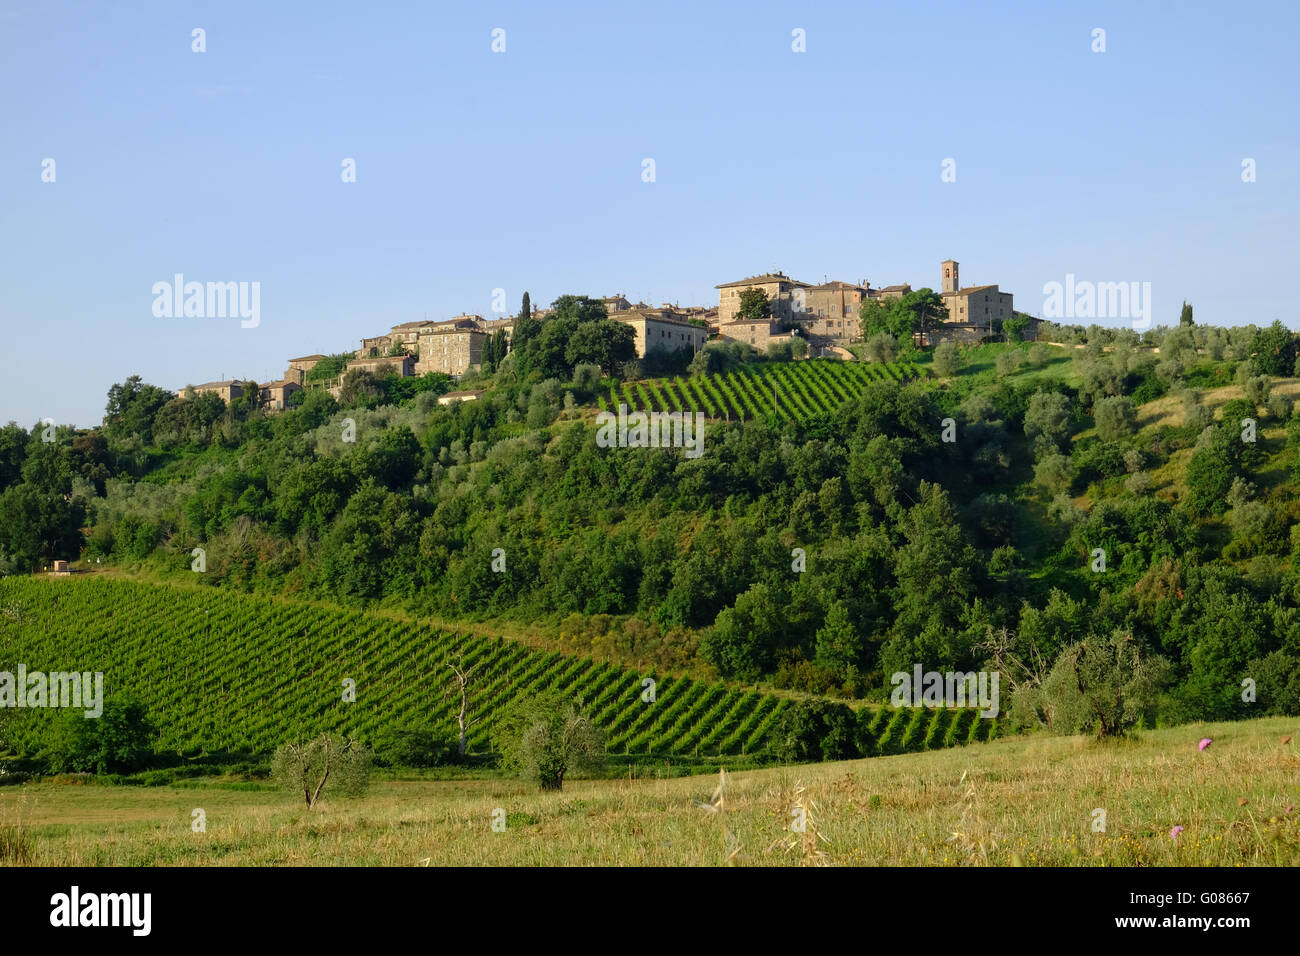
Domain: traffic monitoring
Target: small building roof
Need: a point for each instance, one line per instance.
(765, 278)
(226, 384)
(972, 288)
(838, 286)
(308, 358)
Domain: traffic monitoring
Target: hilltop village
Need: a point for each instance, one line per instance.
(825, 316)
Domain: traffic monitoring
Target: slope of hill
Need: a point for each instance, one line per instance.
(222, 671)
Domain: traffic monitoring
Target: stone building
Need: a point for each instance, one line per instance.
(979, 305)
(299, 367)
(452, 351)
(616, 303)
(661, 329)
(780, 288)
(758, 334)
(831, 311)
(402, 365)
(228, 391)
(275, 395)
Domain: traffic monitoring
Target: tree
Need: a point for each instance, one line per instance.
(754, 305)
(459, 688)
(307, 768)
(816, 730)
(1211, 470)
(118, 741)
(604, 343)
(1275, 350)
(1048, 416)
(881, 347)
(546, 738)
(1115, 417)
(1013, 329)
(839, 647)
(360, 387)
(1101, 684)
(36, 527)
(947, 359)
(1185, 317)
(131, 408)
(743, 640)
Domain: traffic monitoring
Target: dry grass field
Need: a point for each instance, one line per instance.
(1029, 801)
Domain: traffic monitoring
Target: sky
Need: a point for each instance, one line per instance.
(478, 170)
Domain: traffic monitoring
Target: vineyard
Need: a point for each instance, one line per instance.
(220, 671)
(799, 390)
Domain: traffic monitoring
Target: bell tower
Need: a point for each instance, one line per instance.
(950, 283)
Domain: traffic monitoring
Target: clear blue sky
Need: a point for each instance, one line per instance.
(522, 170)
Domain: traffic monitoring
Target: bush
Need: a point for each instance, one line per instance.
(545, 738)
(816, 730)
(307, 769)
(1103, 685)
(118, 741)
(881, 347)
(947, 359)
(413, 748)
(1115, 417)
(1008, 362)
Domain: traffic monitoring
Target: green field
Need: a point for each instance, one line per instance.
(1020, 800)
(226, 672)
(800, 390)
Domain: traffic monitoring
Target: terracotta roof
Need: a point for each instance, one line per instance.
(767, 277)
(840, 285)
(307, 358)
(653, 315)
(456, 330)
(971, 288)
(898, 288)
(228, 382)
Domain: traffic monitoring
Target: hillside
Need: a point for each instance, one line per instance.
(841, 523)
(1030, 801)
(223, 672)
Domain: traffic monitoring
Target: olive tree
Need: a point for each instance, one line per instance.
(1102, 684)
(545, 738)
(306, 768)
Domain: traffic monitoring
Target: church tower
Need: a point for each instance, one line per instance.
(950, 283)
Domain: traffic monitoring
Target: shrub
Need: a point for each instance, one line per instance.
(118, 741)
(1115, 417)
(545, 738)
(412, 748)
(1007, 362)
(816, 730)
(342, 765)
(1106, 685)
(947, 359)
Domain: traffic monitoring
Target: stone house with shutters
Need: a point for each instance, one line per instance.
(299, 367)
(402, 365)
(452, 351)
(662, 329)
(780, 288)
(274, 396)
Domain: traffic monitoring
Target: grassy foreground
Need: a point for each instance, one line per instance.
(1027, 800)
